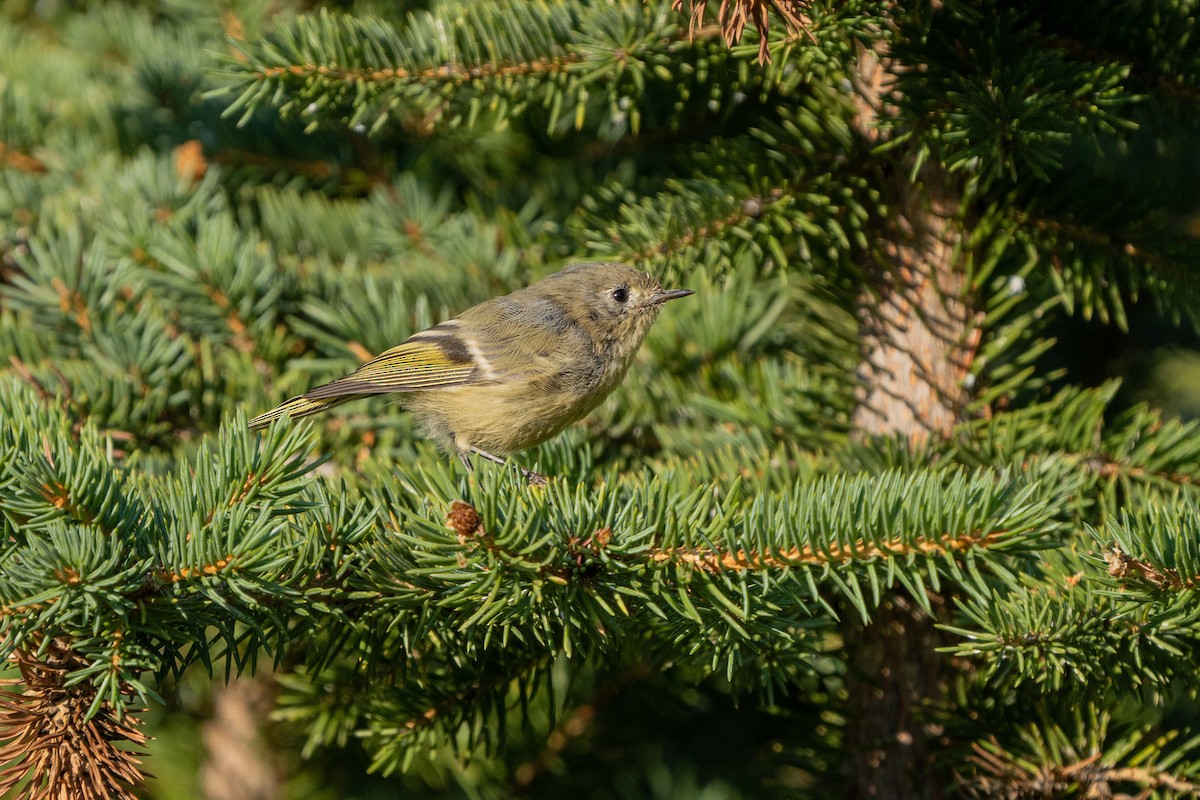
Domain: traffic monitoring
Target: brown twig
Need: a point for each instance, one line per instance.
(48, 740)
(1121, 565)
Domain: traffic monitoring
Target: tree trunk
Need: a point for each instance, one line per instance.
(918, 336)
(239, 764)
(914, 322)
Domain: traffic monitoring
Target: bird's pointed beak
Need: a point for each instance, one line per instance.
(663, 295)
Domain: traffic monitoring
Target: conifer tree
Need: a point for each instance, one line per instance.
(866, 519)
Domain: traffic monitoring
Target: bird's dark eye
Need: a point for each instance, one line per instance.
(620, 294)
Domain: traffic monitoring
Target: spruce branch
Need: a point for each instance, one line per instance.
(58, 739)
(751, 196)
(573, 64)
(132, 572)
(1149, 75)
(713, 561)
(997, 101)
(694, 561)
(435, 699)
(1097, 269)
(550, 52)
(1038, 636)
(1085, 756)
(453, 73)
(1155, 547)
(1074, 632)
(1135, 454)
(1159, 61)
(1126, 568)
(751, 208)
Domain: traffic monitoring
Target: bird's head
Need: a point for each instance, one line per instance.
(614, 303)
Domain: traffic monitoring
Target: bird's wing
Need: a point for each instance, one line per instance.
(433, 359)
(422, 362)
(295, 408)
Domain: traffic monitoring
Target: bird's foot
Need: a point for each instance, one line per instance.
(532, 477)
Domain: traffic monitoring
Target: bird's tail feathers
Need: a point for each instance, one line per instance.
(295, 408)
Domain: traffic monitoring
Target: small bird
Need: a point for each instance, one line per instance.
(514, 371)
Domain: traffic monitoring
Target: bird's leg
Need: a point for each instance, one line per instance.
(533, 478)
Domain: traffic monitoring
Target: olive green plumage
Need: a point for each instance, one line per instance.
(514, 371)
